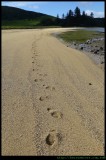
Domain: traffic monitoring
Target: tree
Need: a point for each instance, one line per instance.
(63, 16)
(77, 12)
(57, 16)
(57, 21)
(70, 13)
(92, 15)
(83, 13)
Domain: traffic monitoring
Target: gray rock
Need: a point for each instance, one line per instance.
(102, 62)
(92, 50)
(74, 43)
(95, 52)
(101, 48)
(102, 53)
(81, 48)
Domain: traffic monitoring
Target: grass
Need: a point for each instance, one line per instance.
(24, 24)
(80, 36)
(28, 27)
(19, 24)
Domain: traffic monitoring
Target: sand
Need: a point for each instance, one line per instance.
(52, 97)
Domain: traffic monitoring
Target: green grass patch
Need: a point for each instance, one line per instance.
(80, 36)
(19, 23)
(24, 24)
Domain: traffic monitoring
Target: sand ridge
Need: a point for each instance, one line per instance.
(52, 97)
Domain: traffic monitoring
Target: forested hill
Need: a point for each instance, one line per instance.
(12, 13)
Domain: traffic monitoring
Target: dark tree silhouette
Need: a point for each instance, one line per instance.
(70, 13)
(92, 15)
(63, 16)
(57, 21)
(83, 13)
(77, 12)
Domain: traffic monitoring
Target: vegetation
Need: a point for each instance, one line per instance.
(18, 18)
(83, 20)
(80, 36)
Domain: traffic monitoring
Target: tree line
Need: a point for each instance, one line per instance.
(75, 19)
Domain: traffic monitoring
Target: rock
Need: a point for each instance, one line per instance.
(95, 52)
(74, 43)
(102, 53)
(101, 48)
(92, 50)
(81, 48)
(88, 42)
(102, 62)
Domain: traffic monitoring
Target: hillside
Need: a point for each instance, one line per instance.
(18, 18)
(12, 13)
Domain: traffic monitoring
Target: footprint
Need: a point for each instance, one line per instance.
(41, 98)
(56, 114)
(53, 138)
(48, 97)
(44, 97)
(48, 109)
(90, 83)
(47, 87)
(36, 80)
(50, 139)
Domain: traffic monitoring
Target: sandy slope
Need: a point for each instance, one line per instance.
(48, 105)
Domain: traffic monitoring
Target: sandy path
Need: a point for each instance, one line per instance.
(48, 105)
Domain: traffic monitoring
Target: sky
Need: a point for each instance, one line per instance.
(55, 7)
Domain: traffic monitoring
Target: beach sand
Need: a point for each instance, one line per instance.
(52, 97)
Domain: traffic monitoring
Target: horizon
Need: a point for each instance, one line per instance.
(45, 7)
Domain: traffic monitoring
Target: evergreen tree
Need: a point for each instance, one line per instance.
(63, 16)
(83, 13)
(70, 13)
(77, 12)
(57, 20)
(92, 15)
(57, 16)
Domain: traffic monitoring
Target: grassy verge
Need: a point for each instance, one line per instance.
(19, 24)
(80, 36)
(28, 27)
(23, 24)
